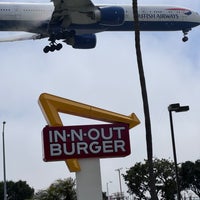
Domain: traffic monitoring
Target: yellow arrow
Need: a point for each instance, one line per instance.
(51, 105)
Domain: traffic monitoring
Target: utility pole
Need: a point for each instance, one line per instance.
(108, 189)
(4, 163)
(120, 184)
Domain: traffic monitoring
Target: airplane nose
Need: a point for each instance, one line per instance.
(198, 18)
(194, 17)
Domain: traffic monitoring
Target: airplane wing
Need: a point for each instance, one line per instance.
(20, 37)
(67, 12)
(73, 4)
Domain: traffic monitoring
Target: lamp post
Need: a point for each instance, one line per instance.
(120, 184)
(176, 108)
(4, 163)
(108, 189)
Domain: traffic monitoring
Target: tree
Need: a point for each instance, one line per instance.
(117, 196)
(190, 176)
(17, 190)
(165, 178)
(41, 195)
(104, 196)
(145, 102)
(59, 190)
(197, 177)
(137, 179)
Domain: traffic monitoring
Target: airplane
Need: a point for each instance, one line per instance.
(76, 22)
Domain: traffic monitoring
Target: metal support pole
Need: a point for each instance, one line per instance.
(108, 189)
(4, 163)
(174, 153)
(89, 180)
(120, 184)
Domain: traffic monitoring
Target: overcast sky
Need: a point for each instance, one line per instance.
(105, 77)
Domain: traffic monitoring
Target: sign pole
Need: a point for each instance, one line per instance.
(89, 180)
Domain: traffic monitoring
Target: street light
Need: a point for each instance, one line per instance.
(4, 164)
(176, 108)
(108, 189)
(120, 184)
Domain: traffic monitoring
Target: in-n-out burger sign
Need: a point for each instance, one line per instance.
(65, 142)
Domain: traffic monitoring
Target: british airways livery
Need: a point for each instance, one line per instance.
(75, 22)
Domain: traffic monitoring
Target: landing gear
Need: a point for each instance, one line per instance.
(58, 35)
(52, 47)
(185, 38)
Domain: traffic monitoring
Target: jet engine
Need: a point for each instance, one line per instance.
(110, 16)
(86, 41)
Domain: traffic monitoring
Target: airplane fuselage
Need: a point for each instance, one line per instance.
(76, 22)
(34, 17)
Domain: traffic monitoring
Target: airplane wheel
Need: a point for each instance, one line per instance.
(52, 48)
(185, 39)
(59, 46)
(46, 49)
